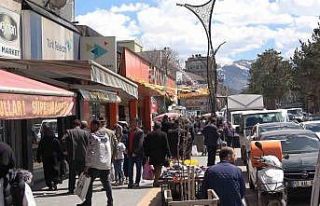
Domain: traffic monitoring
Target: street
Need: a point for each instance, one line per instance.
(146, 195)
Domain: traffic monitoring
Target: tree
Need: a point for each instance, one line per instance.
(306, 71)
(271, 76)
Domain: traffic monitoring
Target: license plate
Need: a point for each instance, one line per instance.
(301, 183)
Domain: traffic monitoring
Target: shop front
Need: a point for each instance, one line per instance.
(101, 92)
(139, 70)
(24, 104)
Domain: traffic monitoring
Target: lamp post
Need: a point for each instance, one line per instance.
(204, 14)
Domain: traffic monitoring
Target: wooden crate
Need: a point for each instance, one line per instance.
(212, 200)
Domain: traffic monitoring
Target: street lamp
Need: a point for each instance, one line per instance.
(204, 14)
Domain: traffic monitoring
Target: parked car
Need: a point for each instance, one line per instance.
(297, 114)
(300, 153)
(258, 129)
(249, 119)
(312, 126)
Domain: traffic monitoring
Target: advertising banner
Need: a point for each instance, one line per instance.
(9, 34)
(19, 106)
(57, 41)
(99, 49)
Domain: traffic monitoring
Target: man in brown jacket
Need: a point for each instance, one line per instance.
(75, 142)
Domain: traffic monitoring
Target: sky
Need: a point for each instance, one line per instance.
(248, 26)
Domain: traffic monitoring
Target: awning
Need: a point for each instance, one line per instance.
(100, 96)
(24, 98)
(156, 90)
(90, 71)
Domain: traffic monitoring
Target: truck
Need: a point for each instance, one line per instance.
(243, 102)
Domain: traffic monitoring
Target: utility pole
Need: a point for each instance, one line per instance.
(204, 14)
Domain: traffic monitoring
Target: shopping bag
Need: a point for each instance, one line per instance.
(28, 199)
(82, 186)
(148, 171)
(194, 151)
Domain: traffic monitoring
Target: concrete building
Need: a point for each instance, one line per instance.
(197, 64)
(130, 44)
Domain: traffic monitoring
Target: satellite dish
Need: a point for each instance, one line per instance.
(57, 3)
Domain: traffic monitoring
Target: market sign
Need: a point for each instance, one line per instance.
(19, 106)
(57, 41)
(100, 49)
(9, 34)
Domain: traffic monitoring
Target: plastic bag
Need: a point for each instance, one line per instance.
(148, 171)
(82, 186)
(28, 199)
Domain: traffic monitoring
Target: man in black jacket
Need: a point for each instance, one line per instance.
(76, 142)
(211, 136)
(135, 152)
(156, 148)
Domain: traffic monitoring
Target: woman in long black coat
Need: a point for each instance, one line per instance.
(157, 149)
(50, 153)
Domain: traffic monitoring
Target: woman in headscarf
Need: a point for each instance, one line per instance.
(50, 153)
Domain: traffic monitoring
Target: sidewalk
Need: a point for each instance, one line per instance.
(123, 196)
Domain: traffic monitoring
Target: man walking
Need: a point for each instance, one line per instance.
(135, 153)
(211, 136)
(157, 149)
(225, 179)
(76, 142)
(98, 162)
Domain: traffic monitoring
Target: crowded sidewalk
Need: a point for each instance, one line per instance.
(145, 195)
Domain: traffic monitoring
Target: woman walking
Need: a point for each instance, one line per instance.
(50, 153)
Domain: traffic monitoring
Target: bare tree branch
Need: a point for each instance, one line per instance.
(217, 49)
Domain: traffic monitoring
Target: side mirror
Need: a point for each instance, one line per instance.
(259, 145)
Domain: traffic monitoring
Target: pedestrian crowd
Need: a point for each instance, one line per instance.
(99, 152)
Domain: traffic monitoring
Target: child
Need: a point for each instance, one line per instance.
(119, 157)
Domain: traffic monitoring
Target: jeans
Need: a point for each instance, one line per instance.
(212, 150)
(118, 170)
(131, 161)
(104, 177)
(75, 168)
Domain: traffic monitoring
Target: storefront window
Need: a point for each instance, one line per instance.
(36, 129)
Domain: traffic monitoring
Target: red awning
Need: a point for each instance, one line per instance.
(24, 98)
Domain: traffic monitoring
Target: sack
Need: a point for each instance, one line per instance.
(28, 199)
(82, 186)
(148, 171)
(194, 151)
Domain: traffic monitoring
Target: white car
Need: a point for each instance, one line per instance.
(312, 126)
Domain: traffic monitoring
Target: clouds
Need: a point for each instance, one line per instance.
(246, 25)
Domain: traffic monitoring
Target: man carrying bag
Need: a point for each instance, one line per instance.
(98, 162)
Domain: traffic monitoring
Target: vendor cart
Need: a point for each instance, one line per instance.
(212, 200)
(181, 185)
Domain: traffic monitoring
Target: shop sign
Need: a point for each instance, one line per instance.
(99, 49)
(17, 106)
(9, 34)
(57, 41)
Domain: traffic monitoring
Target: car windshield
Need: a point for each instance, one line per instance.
(295, 111)
(253, 119)
(315, 127)
(296, 143)
(270, 128)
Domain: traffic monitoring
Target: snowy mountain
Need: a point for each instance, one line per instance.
(236, 75)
